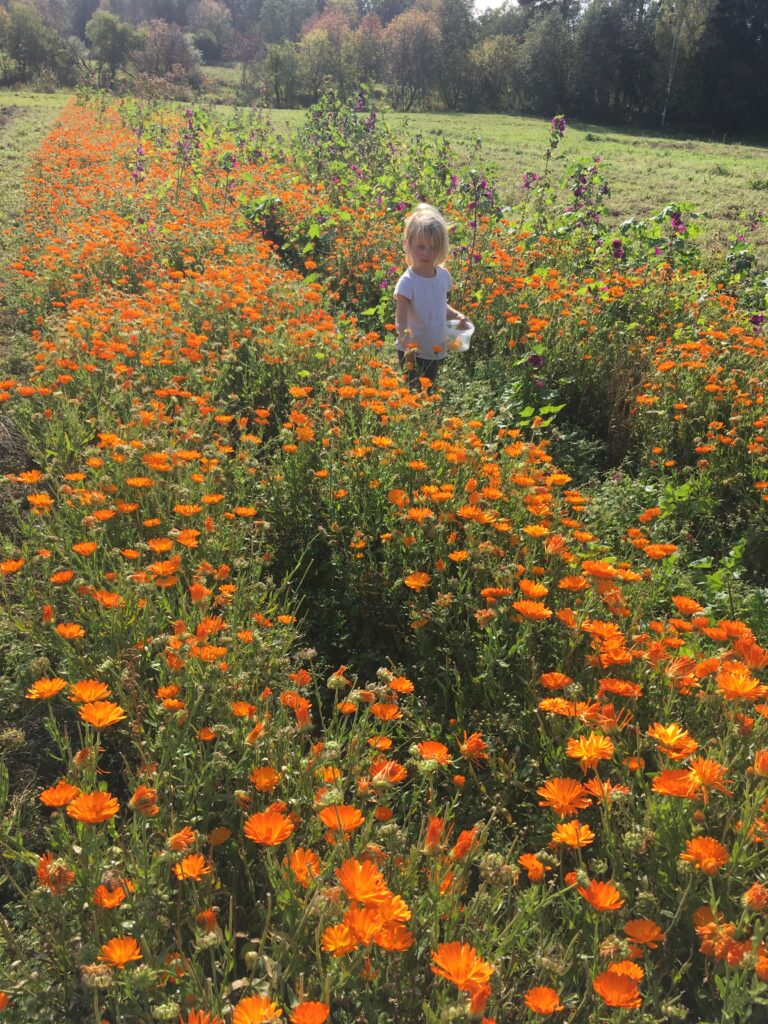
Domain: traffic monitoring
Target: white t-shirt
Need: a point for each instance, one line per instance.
(428, 311)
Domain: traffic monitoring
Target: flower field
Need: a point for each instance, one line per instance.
(329, 700)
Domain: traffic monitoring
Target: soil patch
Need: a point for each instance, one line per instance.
(6, 113)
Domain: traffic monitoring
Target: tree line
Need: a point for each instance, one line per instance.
(698, 65)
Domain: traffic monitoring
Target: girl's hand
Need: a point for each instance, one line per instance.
(463, 323)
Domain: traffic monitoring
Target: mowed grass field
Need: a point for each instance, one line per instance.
(25, 118)
(725, 182)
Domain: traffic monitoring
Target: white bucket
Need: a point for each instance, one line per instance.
(457, 338)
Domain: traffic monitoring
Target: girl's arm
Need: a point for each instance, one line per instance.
(455, 314)
(401, 319)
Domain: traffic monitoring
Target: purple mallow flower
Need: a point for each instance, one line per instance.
(558, 124)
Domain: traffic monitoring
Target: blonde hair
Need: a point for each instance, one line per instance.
(428, 223)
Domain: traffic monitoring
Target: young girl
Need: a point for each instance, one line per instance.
(422, 296)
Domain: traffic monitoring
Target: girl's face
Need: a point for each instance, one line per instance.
(422, 253)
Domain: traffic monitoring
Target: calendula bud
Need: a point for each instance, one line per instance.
(96, 976)
(166, 1011)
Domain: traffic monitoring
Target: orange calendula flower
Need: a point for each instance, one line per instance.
(735, 683)
(460, 964)
(40, 502)
(387, 771)
(602, 896)
(341, 818)
(365, 923)
(756, 897)
(268, 828)
(200, 1017)
(394, 937)
(386, 712)
(53, 873)
(564, 796)
(706, 854)
(85, 547)
(707, 774)
(363, 882)
(101, 714)
(589, 750)
(256, 1010)
(417, 580)
(760, 766)
(93, 808)
(574, 834)
(59, 795)
(338, 940)
(191, 868)
(434, 835)
(62, 577)
(144, 801)
(44, 689)
(604, 790)
(554, 680)
(305, 866)
(264, 779)
(431, 750)
(474, 748)
(686, 605)
(534, 611)
(120, 951)
(219, 835)
(533, 589)
(617, 990)
(70, 631)
(574, 583)
(207, 919)
(628, 968)
(543, 1000)
(181, 840)
(535, 867)
(644, 932)
(401, 684)
(673, 740)
(87, 690)
(675, 782)
(310, 1013)
(464, 843)
(107, 898)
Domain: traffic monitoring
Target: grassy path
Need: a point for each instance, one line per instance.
(25, 118)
